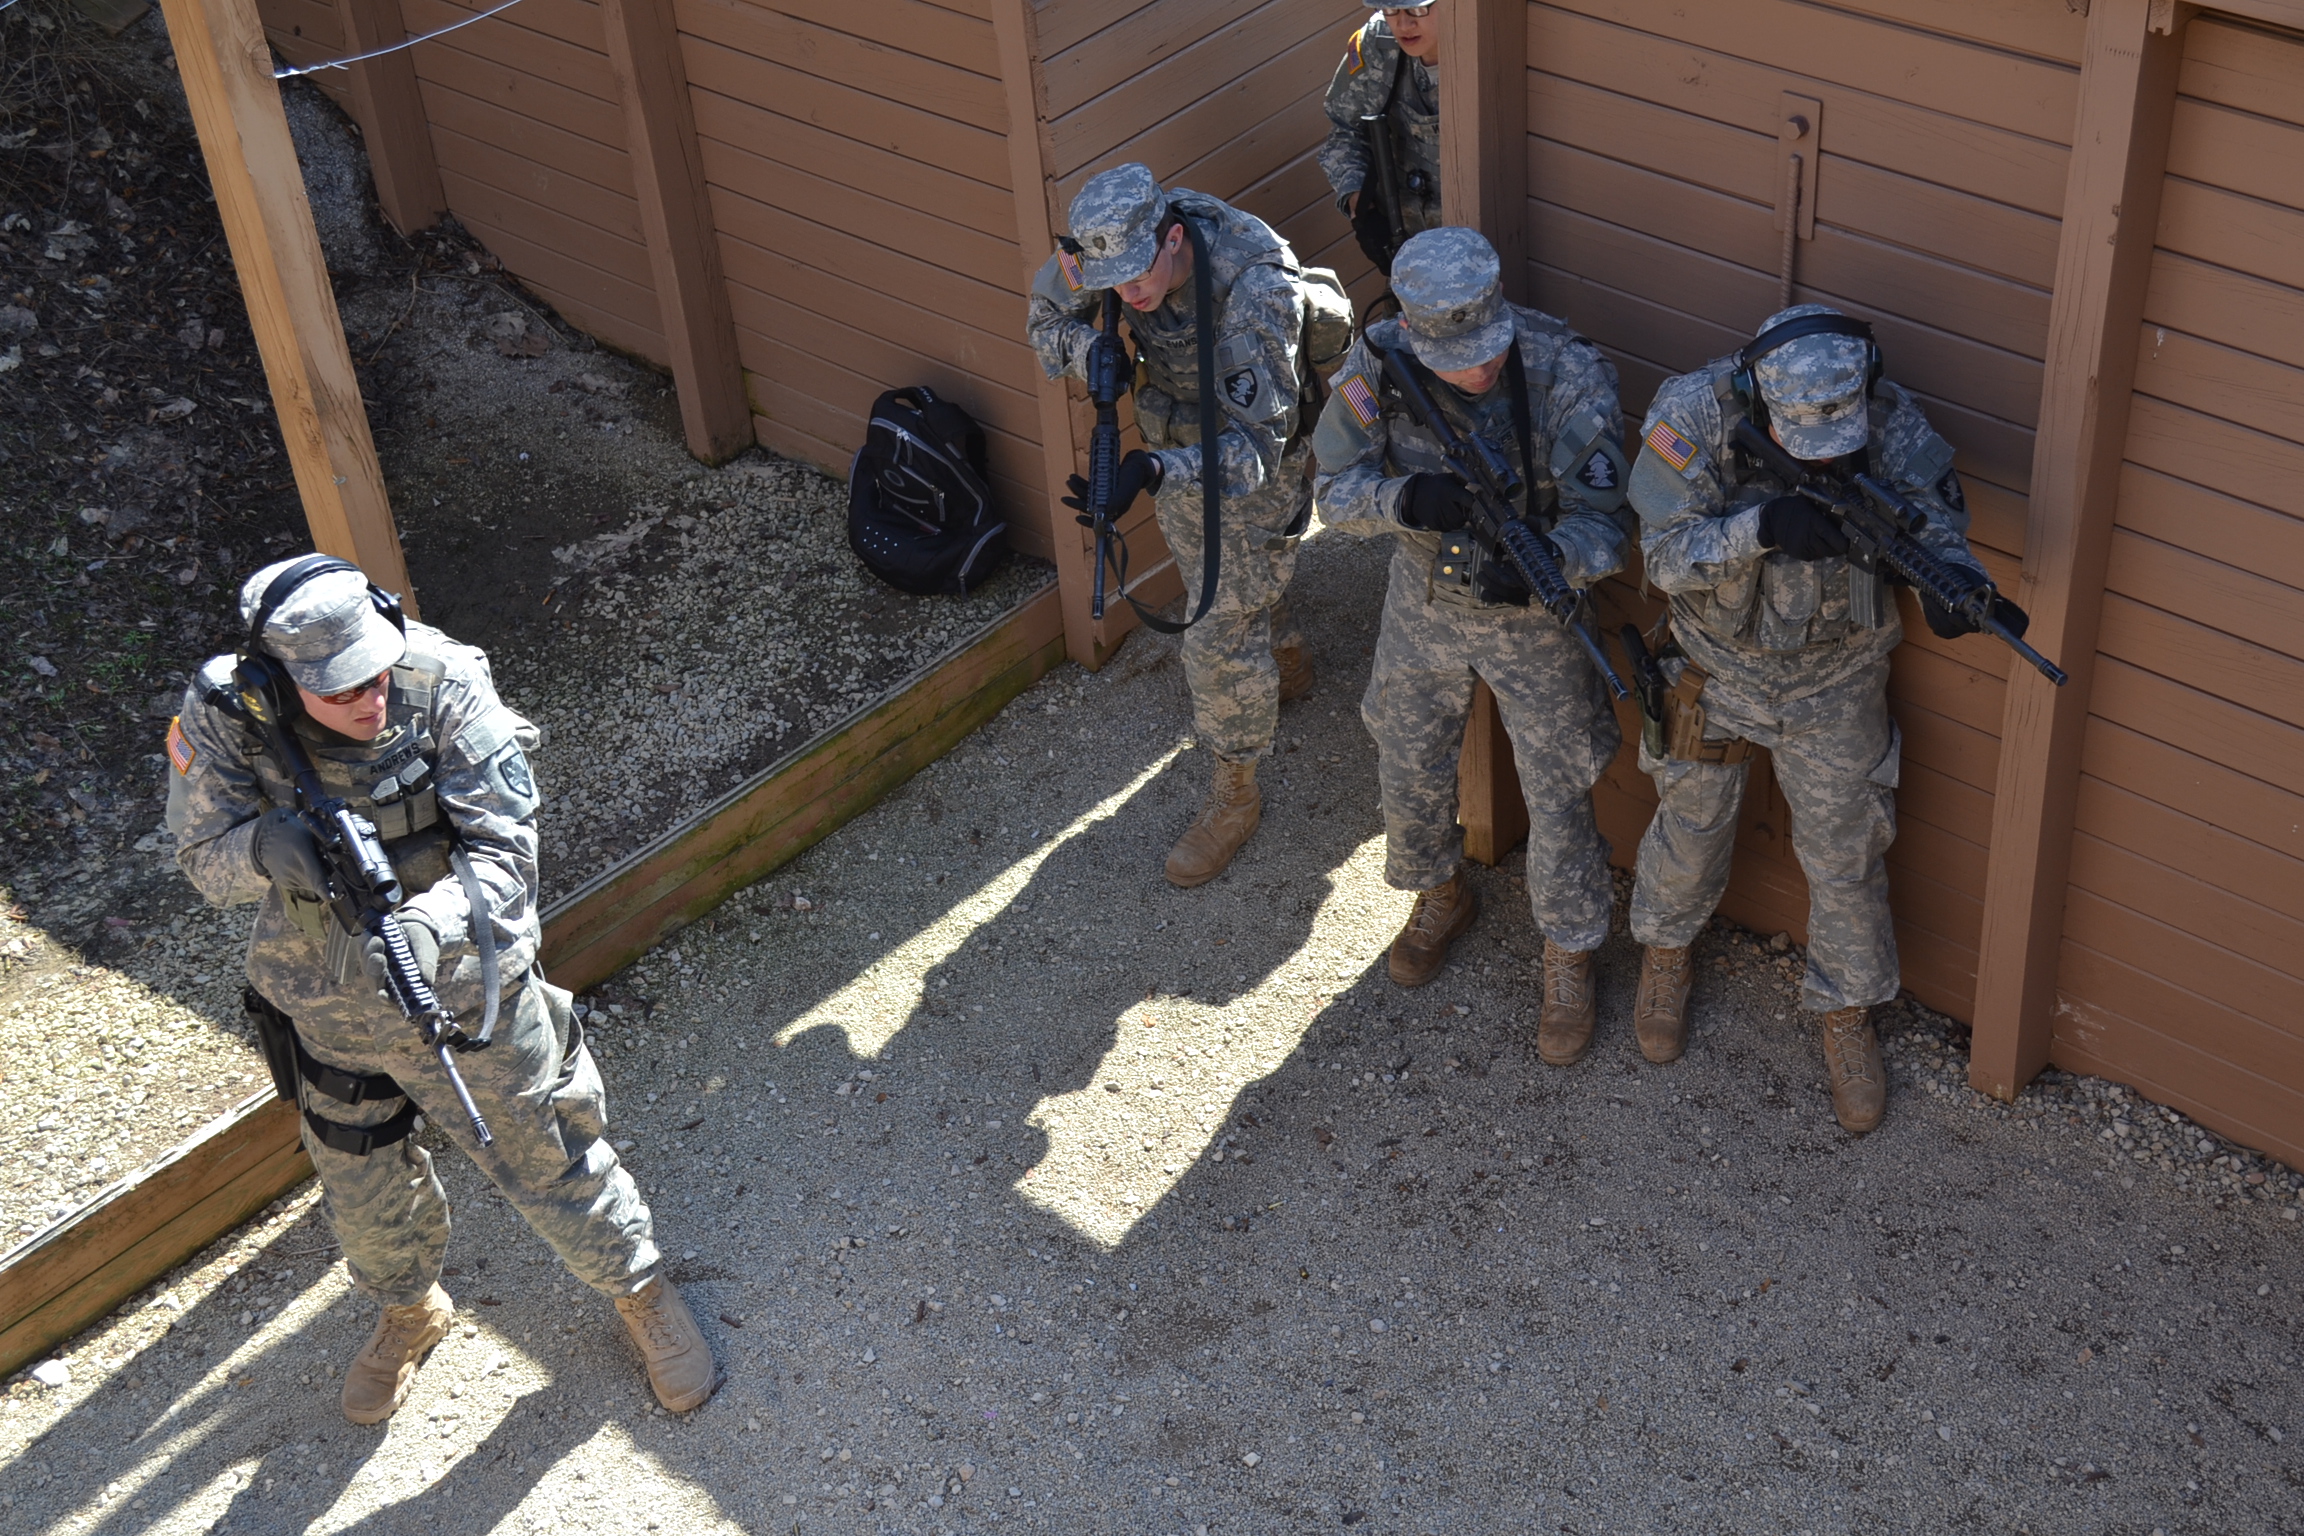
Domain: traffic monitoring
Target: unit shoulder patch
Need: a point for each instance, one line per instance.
(1242, 387)
(1671, 447)
(512, 767)
(1599, 472)
(180, 753)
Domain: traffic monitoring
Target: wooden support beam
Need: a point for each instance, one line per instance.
(226, 66)
(676, 217)
(1063, 442)
(2104, 255)
(1484, 127)
(390, 111)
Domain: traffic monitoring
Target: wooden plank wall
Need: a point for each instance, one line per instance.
(857, 157)
(2183, 959)
(1653, 177)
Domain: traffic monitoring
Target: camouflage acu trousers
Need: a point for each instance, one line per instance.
(541, 1094)
(1836, 753)
(1556, 712)
(1227, 656)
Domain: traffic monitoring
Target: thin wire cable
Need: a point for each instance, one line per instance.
(362, 58)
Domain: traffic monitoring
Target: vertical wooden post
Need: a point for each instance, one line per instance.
(390, 111)
(1484, 186)
(226, 66)
(2103, 263)
(676, 216)
(1016, 32)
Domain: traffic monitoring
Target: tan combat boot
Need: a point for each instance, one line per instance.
(377, 1381)
(1227, 818)
(1859, 1080)
(1296, 675)
(1571, 1006)
(1660, 1013)
(679, 1362)
(1440, 917)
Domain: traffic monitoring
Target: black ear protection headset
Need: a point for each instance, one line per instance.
(265, 687)
(1795, 329)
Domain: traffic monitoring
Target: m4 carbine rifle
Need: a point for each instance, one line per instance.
(363, 889)
(1107, 368)
(1499, 528)
(1384, 180)
(1880, 522)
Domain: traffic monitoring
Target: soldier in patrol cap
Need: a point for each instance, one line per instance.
(1245, 656)
(404, 724)
(1545, 399)
(1777, 640)
(1391, 67)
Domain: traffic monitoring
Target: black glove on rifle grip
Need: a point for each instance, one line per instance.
(286, 855)
(1801, 529)
(1137, 471)
(1435, 504)
(1372, 227)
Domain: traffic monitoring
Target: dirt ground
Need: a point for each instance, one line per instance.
(1018, 1190)
(672, 629)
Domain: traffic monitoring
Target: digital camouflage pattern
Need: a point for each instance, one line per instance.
(1261, 457)
(1115, 220)
(1363, 84)
(1437, 636)
(1450, 285)
(1797, 658)
(1814, 388)
(535, 1083)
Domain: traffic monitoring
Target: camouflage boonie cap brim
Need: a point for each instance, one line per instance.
(1814, 389)
(1451, 292)
(1116, 219)
(328, 633)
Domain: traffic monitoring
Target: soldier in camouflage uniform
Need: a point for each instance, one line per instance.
(1245, 656)
(1449, 620)
(1779, 641)
(1391, 66)
(404, 723)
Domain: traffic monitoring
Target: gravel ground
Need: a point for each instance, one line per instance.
(673, 629)
(1018, 1190)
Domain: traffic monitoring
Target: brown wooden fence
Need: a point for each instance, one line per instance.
(2103, 875)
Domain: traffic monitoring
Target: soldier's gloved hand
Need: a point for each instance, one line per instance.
(1498, 581)
(1136, 472)
(1801, 529)
(1372, 227)
(1123, 366)
(423, 943)
(1435, 504)
(286, 855)
(1951, 624)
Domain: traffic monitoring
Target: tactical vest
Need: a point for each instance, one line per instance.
(389, 780)
(1167, 392)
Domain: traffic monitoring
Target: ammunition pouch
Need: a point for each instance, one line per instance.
(289, 1064)
(1683, 724)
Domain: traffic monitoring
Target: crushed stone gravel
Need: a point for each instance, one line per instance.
(1017, 1190)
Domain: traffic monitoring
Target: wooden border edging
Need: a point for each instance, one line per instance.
(59, 1281)
(64, 1278)
(788, 808)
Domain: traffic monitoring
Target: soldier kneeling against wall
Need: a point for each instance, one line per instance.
(404, 725)
(1779, 640)
(1545, 399)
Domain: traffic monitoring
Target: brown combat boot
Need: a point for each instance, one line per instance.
(1571, 1006)
(1440, 917)
(1660, 1013)
(377, 1381)
(1859, 1080)
(1296, 675)
(1227, 818)
(680, 1367)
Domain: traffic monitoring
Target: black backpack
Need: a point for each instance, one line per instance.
(919, 511)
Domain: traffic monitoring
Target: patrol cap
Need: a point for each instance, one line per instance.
(327, 631)
(1814, 388)
(1451, 292)
(1116, 219)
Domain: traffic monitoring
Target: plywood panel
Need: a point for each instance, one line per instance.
(525, 92)
(578, 204)
(2227, 307)
(2222, 797)
(2229, 230)
(2209, 910)
(2239, 386)
(2239, 739)
(1171, 116)
(2263, 613)
(1930, 679)
(313, 23)
(555, 59)
(960, 38)
(947, 90)
(2204, 658)
(1934, 146)
(486, 123)
(2258, 1001)
(2237, 533)
(2238, 151)
(606, 307)
(2190, 847)
(2253, 466)
(1218, 35)
(2236, 65)
(1063, 24)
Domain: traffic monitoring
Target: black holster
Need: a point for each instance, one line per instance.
(290, 1064)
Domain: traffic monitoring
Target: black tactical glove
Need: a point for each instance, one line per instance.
(286, 855)
(423, 943)
(1372, 227)
(1950, 624)
(1137, 472)
(1435, 504)
(1801, 529)
(1123, 366)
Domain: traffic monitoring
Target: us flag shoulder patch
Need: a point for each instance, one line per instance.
(1670, 446)
(1069, 265)
(179, 750)
(1355, 56)
(1360, 398)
